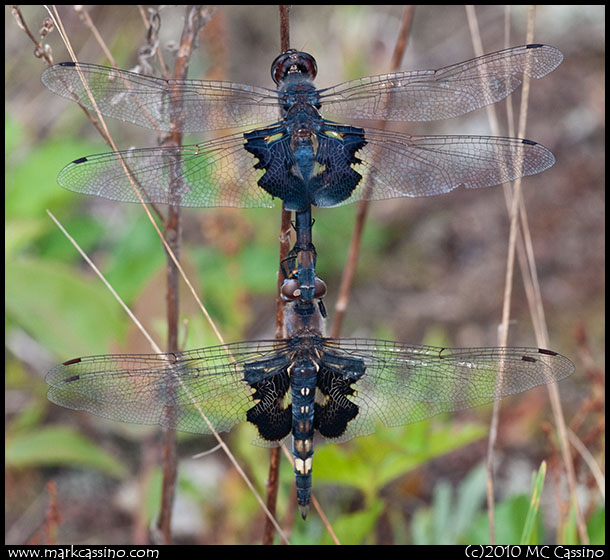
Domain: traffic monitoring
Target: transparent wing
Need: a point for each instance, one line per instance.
(222, 173)
(191, 105)
(215, 173)
(403, 384)
(397, 165)
(430, 95)
(163, 389)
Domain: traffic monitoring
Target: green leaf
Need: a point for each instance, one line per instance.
(369, 463)
(441, 513)
(470, 497)
(448, 519)
(341, 465)
(421, 526)
(61, 308)
(88, 232)
(59, 446)
(508, 517)
(13, 134)
(31, 184)
(137, 256)
(596, 527)
(20, 233)
(354, 528)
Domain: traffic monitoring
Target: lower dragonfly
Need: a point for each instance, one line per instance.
(303, 383)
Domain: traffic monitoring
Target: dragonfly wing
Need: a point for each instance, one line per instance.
(403, 384)
(163, 105)
(188, 391)
(430, 95)
(214, 173)
(397, 165)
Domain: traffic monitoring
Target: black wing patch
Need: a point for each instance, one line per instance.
(332, 180)
(336, 155)
(335, 379)
(271, 382)
(276, 158)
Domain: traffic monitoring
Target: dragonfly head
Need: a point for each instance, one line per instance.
(293, 62)
(291, 290)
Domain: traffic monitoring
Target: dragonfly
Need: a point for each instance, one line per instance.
(292, 150)
(303, 159)
(302, 385)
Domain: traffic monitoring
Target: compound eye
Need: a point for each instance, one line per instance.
(281, 65)
(293, 61)
(319, 290)
(307, 65)
(290, 290)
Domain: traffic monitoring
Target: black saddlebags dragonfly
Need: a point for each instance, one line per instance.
(295, 154)
(301, 384)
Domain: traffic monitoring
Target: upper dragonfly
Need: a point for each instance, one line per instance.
(294, 153)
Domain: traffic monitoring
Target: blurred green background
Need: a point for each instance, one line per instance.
(430, 271)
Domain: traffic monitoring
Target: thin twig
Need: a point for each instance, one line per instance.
(90, 25)
(39, 49)
(155, 348)
(44, 52)
(520, 239)
(354, 248)
(285, 26)
(86, 19)
(234, 461)
(493, 425)
(47, 534)
(284, 248)
(542, 335)
(588, 458)
(193, 23)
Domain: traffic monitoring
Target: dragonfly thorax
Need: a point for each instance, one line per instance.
(301, 95)
(303, 319)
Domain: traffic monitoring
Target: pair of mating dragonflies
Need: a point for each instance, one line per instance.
(304, 383)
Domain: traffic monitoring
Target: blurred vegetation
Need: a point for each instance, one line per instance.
(420, 484)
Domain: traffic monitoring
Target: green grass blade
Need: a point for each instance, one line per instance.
(530, 520)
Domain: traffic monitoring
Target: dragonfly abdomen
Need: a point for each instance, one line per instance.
(303, 379)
